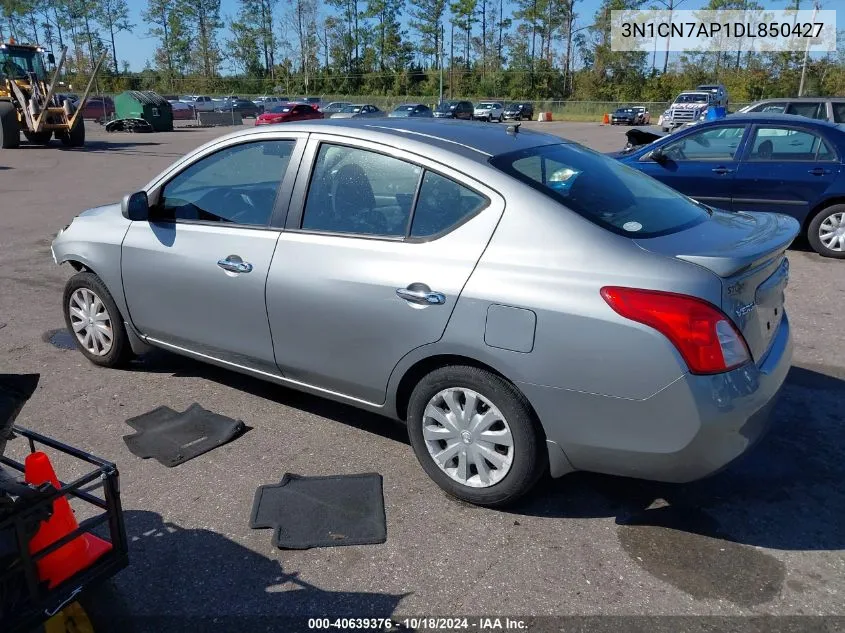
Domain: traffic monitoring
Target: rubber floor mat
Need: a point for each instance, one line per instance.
(173, 438)
(310, 512)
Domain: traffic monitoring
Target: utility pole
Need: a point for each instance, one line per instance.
(451, 59)
(806, 55)
(440, 53)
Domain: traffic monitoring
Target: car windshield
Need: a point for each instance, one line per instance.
(351, 109)
(624, 110)
(603, 190)
(446, 106)
(485, 106)
(19, 62)
(692, 98)
(405, 108)
(280, 109)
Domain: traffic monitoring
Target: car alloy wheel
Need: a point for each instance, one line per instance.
(91, 322)
(832, 232)
(468, 437)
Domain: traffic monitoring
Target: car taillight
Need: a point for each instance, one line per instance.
(705, 337)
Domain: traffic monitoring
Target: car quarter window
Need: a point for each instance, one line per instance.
(781, 143)
(237, 184)
(367, 193)
(714, 143)
(443, 204)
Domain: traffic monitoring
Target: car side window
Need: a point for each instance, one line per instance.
(788, 144)
(443, 204)
(359, 191)
(770, 107)
(812, 109)
(237, 185)
(716, 143)
(838, 112)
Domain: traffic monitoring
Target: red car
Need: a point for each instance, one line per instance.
(98, 108)
(288, 112)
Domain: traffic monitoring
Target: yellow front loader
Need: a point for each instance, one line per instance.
(28, 103)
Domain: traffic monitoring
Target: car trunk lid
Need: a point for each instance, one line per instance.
(747, 251)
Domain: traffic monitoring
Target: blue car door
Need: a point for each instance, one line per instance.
(700, 163)
(785, 168)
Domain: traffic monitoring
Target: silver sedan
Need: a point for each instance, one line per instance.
(358, 111)
(523, 304)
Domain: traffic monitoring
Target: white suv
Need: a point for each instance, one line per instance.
(489, 111)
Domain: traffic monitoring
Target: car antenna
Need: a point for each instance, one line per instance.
(513, 129)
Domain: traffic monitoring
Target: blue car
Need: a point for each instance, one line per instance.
(758, 162)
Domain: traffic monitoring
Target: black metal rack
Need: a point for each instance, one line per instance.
(38, 602)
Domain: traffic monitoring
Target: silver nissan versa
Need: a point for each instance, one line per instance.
(522, 303)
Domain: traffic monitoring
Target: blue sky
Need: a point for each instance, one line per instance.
(138, 47)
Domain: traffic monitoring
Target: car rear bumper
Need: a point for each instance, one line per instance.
(690, 429)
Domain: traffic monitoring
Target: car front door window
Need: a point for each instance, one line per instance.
(237, 185)
(713, 144)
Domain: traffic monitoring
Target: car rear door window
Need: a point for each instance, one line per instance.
(717, 143)
(811, 109)
(360, 191)
(838, 112)
(782, 143)
(237, 184)
(443, 204)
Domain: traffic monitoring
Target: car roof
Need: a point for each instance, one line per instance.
(476, 141)
(791, 99)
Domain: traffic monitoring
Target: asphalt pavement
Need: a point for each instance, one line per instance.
(764, 537)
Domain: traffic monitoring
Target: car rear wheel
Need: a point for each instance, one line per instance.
(826, 232)
(91, 315)
(474, 434)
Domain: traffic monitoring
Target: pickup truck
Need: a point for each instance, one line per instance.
(201, 103)
(688, 107)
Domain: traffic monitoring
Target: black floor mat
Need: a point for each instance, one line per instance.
(173, 438)
(310, 512)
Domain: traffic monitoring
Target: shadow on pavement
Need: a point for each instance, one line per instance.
(786, 493)
(160, 361)
(194, 579)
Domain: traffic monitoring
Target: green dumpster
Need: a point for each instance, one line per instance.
(147, 105)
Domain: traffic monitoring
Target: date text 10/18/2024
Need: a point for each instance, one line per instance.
(483, 624)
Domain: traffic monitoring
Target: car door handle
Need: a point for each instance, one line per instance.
(234, 264)
(722, 170)
(818, 171)
(420, 293)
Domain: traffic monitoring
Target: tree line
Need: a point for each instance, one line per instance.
(520, 49)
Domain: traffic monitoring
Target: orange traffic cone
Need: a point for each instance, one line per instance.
(606, 119)
(81, 552)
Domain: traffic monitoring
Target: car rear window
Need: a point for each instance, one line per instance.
(603, 190)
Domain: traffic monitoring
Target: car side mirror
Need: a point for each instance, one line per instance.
(658, 156)
(136, 206)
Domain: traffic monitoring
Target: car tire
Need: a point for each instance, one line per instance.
(519, 465)
(829, 220)
(10, 128)
(500, 118)
(86, 289)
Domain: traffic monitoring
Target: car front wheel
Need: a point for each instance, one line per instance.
(93, 318)
(474, 434)
(826, 232)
